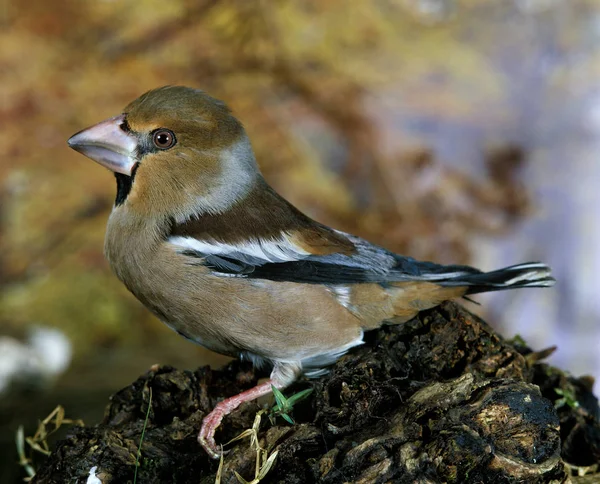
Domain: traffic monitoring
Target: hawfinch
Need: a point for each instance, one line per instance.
(201, 239)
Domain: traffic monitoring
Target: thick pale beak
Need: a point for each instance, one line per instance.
(107, 144)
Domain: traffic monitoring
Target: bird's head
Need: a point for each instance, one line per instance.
(175, 151)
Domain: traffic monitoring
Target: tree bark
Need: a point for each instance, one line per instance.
(442, 398)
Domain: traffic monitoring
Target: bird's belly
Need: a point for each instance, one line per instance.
(233, 316)
(193, 317)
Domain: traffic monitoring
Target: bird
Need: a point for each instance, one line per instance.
(206, 244)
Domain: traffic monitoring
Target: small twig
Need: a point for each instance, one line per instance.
(39, 441)
(24, 461)
(264, 461)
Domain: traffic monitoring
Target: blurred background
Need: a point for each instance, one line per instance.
(462, 131)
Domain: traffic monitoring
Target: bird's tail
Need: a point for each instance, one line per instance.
(529, 274)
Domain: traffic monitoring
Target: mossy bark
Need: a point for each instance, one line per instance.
(442, 398)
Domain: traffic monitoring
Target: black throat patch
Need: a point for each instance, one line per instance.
(124, 184)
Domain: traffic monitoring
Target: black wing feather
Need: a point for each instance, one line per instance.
(371, 264)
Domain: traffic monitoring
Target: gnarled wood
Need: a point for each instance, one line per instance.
(441, 398)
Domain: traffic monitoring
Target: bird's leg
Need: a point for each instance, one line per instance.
(281, 376)
(206, 437)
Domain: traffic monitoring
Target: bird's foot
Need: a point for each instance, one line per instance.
(206, 437)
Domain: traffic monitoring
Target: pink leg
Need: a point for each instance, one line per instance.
(283, 375)
(206, 437)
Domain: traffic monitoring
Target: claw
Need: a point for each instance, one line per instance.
(210, 446)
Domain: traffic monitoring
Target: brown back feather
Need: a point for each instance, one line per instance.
(263, 214)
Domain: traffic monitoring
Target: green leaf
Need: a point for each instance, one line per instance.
(299, 396)
(287, 418)
(279, 398)
(568, 398)
(139, 451)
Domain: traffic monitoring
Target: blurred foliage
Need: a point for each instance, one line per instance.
(317, 84)
(299, 74)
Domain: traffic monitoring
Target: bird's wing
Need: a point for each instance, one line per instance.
(328, 257)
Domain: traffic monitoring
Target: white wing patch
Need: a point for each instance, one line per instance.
(342, 294)
(276, 250)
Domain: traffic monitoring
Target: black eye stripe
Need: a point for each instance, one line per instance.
(125, 126)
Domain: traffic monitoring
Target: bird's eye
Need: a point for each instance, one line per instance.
(163, 139)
